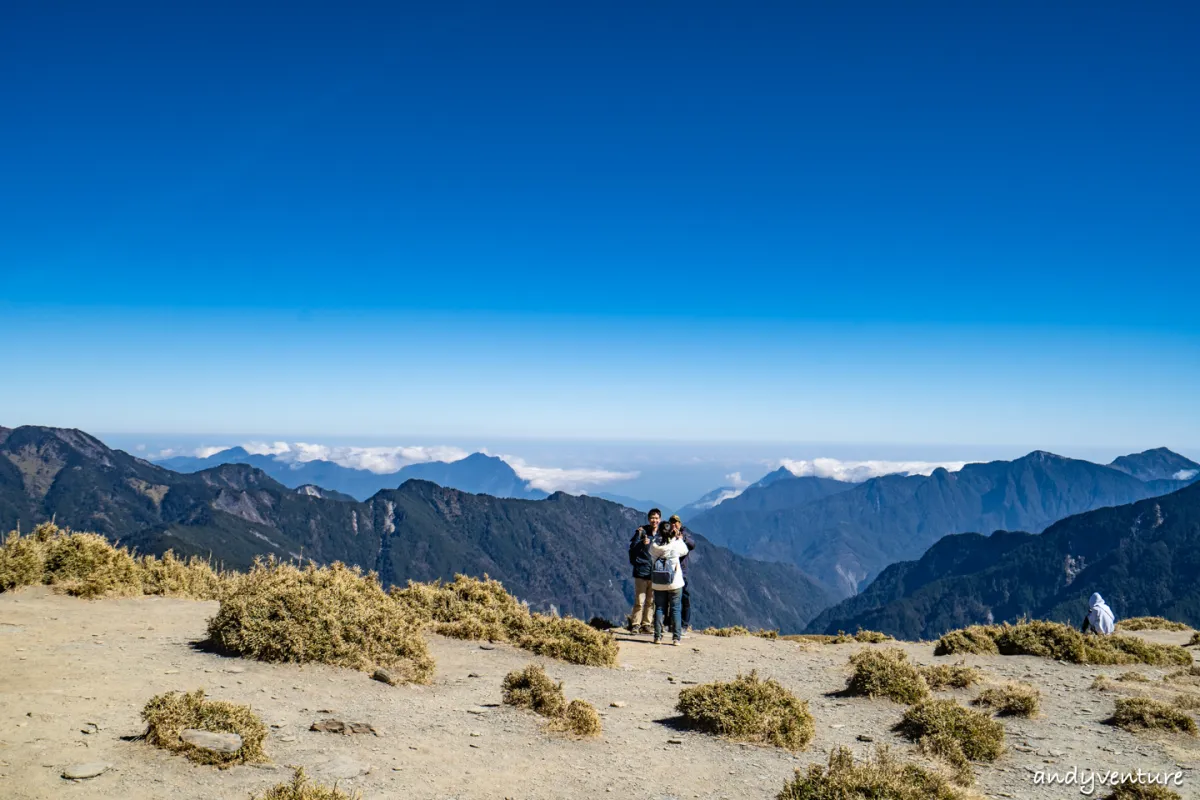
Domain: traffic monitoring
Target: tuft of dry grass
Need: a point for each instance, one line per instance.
(749, 709)
(570, 640)
(167, 715)
(171, 576)
(881, 777)
(958, 676)
(887, 673)
(88, 565)
(1144, 713)
(977, 640)
(1060, 642)
(579, 720)
(1150, 624)
(738, 630)
(1011, 699)
(532, 688)
(954, 733)
(470, 608)
(861, 637)
(1194, 641)
(869, 637)
(332, 615)
(299, 788)
(1133, 676)
(1142, 791)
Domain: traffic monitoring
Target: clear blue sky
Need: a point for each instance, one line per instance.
(890, 222)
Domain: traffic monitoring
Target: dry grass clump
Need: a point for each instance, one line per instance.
(958, 676)
(333, 615)
(1144, 713)
(1011, 699)
(299, 788)
(977, 640)
(1142, 791)
(749, 709)
(580, 720)
(738, 630)
(174, 577)
(88, 565)
(1133, 676)
(167, 715)
(1150, 624)
(532, 688)
(881, 777)
(470, 608)
(1186, 702)
(1194, 641)
(887, 673)
(866, 637)
(1191, 675)
(570, 640)
(1061, 642)
(955, 733)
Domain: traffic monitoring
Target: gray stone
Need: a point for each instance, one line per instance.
(223, 743)
(383, 676)
(617, 704)
(79, 772)
(343, 768)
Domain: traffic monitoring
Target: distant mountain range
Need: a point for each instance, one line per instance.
(845, 534)
(477, 473)
(1144, 558)
(562, 551)
(725, 493)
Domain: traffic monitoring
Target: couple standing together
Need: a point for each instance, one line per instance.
(659, 556)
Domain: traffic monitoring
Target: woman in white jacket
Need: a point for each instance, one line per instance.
(667, 581)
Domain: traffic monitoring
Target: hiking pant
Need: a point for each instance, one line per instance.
(667, 602)
(643, 603)
(685, 602)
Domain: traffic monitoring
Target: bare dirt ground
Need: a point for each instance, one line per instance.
(68, 666)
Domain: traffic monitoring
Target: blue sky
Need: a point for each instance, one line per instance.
(925, 223)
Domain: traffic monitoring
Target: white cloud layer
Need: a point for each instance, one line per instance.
(1185, 474)
(556, 479)
(380, 460)
(858, 471)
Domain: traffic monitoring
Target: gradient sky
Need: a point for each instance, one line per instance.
(841, 222)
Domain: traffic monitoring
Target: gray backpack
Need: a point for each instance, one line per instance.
(664, 572)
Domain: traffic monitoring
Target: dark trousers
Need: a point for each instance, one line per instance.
(666, 604)
(685, 603)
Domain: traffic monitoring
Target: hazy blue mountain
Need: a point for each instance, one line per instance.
(477, 473)
(777, 492)
(1159, 464)
(702, 504)
(569, 552)
(1143, 557)
(850, 535)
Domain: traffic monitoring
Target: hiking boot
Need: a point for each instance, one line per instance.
(675, 642)
(646, 629)
(658, 640)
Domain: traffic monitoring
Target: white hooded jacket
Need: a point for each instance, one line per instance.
(671, 551)
(1100, 616)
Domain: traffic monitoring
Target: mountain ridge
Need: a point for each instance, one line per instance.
(563, 551)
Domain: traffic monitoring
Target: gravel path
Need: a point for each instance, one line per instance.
(76, 675)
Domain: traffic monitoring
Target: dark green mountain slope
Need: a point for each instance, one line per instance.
(564, 551)
(850, 536)
(1143, 557)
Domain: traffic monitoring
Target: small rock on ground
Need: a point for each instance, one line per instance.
(79, 772)
(224, 743)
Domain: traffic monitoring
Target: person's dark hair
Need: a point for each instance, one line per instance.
(652, 512)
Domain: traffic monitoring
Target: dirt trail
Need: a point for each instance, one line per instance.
(67, 663)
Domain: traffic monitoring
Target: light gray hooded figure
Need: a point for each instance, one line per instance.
(1099, 617)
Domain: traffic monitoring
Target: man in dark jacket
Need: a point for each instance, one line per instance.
(686, 599)
(641, 618)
